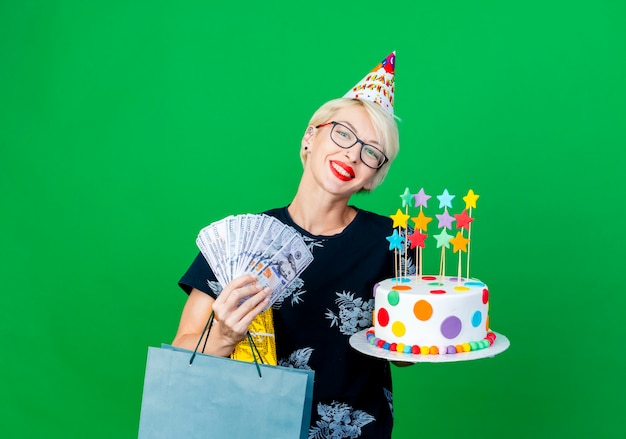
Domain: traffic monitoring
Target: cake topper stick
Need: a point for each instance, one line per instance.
(395, 241)
(442, 265)
(417, 239)
(407, 201)
(421, 223)
(405, 248)
(460, 245)
(469, 238)
(470, 202)
(418, 256)
(443, 241)
(467, 268)
(445, 222)
(463, 221)
(400, 221)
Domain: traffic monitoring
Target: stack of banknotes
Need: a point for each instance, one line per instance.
(258, 244)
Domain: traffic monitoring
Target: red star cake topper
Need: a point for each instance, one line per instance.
(417, 239)
(463, 220)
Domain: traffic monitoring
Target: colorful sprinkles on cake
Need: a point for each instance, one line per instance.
(489, 339)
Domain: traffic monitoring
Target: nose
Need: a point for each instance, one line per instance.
(352, 153)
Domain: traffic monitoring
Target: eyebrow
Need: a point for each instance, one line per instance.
(345, 122)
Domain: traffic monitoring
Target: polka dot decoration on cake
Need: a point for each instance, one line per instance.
(383, 317)
(398, 329)
(477, 318)
(393, 297)
(451, 327)
(437, 291)
(485, 296)
(423, 310)
(402, 280)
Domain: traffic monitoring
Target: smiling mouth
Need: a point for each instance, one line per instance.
(342, 171)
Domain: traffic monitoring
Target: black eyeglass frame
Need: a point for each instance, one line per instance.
(363, 144)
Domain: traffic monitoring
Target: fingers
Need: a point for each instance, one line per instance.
(252, 307)
(238, 289)
(235, 318)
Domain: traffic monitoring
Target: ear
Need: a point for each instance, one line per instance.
(307, 139)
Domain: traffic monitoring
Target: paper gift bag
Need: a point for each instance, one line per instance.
(215, 397)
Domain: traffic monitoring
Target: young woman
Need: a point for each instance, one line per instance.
(347, 147)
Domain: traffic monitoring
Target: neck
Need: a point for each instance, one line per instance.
(319, 213)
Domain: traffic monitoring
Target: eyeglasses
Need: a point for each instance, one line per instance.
(344, 137)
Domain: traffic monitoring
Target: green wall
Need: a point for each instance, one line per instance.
(126, 127)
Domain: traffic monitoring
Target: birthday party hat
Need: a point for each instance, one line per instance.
(378, 85)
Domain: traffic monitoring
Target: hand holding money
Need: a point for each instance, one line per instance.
(241, 300)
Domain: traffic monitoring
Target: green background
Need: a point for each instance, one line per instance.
(126, 127)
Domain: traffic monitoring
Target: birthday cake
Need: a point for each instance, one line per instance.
(431, 314)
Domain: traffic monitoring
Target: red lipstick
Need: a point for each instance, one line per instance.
(342, 171)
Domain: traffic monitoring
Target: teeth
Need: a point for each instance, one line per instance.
(341, 170)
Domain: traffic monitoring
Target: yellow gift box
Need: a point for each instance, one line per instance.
(262, 333)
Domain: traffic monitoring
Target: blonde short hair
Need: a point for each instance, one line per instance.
(384, 124)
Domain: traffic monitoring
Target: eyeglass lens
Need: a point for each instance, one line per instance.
(345, 138)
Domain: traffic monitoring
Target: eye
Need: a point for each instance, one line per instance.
(344, 133)
(372, 152)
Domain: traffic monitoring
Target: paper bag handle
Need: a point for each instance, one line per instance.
(207, 331)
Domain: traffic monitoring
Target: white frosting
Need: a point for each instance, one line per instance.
(420, 314)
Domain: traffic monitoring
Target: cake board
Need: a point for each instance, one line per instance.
(359, 342)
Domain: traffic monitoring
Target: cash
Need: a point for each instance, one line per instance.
(258, 244)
